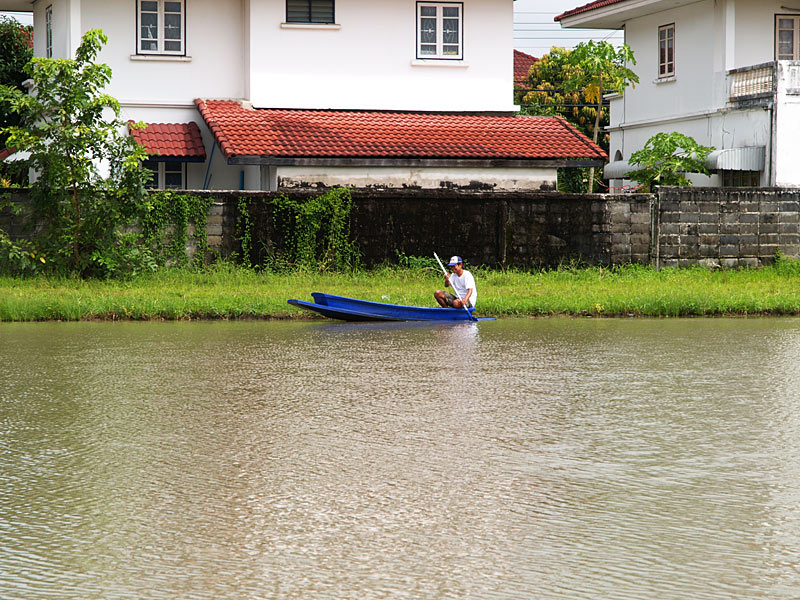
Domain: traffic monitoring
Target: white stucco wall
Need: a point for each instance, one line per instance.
(213, 67)
(710, 38)
(787, 125)
(241, 49)
(755, 30)
(691, 90)
(425, 177)
(369, 61)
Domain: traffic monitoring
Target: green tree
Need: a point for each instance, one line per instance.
(666, 157)
(600, 67)
(575, 80)
(90, 183)
(15, 52)
(544, 94)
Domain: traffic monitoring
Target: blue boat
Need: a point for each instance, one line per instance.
(350, 309)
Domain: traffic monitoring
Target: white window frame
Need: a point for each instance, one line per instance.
(795, 19)
(48, 32)
(160, 38)
(423, 48)
(161, 172)
(666, 68)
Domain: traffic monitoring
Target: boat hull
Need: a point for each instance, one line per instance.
(351, 309)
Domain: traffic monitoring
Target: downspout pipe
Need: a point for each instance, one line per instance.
(206, 179)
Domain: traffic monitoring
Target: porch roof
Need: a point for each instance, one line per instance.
(279, 136)
(171, 140)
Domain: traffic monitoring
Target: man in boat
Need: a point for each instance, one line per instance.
(463, 284)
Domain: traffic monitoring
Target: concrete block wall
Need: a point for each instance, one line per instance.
(677, 227)
(742, 227)
(520, 229)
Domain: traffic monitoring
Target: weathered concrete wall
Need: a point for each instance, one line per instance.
(676, 227)
(9, 222)
(520, 229)
(726, 227)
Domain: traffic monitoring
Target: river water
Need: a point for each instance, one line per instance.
(562, 458)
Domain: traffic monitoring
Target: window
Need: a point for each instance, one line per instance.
(161, 27)
(309, 11)
(166, 175)
(740, 178)
(439, 30)
(786, 37)
(666, 50)
(48, 32)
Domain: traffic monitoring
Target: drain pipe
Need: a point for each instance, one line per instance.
(206, 179)
(770, 174)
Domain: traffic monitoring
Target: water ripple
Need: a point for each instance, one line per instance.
(582, 459)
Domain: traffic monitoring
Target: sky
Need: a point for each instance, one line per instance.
(535, 32)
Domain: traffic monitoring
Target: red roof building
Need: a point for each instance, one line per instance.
(299, 146)
(522, 65)
(318, 134)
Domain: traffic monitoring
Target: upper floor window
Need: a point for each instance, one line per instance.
(48, 32)
(786, 37)
(309, 11)
(162, 27)
(439, 30)
(666, 50)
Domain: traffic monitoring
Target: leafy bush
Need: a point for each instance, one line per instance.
(665, 159)
(90, 182)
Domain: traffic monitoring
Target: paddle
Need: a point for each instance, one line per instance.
(471, 317)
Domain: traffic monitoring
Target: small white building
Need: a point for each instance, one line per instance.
(725, 72)
(170, 58)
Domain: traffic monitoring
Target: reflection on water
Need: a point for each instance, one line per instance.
(589, 459)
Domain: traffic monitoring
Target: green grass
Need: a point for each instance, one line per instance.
(226, 292)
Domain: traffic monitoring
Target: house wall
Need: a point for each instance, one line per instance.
(369, 61)
(213, 67)
(691, 90)
(711, 38)
(755, 30)
(423, 177)
(243, 49)
(61, 28)
(787, 125)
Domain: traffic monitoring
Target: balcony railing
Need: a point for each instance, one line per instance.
(752, 82)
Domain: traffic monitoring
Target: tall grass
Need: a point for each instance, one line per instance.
(228, 292)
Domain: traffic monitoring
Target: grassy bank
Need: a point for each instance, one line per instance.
(231, 293)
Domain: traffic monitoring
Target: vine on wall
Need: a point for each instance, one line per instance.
(314, 232)
(244, 231)
(165, 227)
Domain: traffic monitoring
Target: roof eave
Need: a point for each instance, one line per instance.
(594, 19)
(346, 161)
(614, 16)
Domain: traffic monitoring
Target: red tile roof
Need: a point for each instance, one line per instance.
(277, 133)
(170, 139)
(522, 64)
(586, 8)
(6, 152)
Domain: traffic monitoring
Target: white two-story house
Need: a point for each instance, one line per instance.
(725, 72)
(262, 94)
